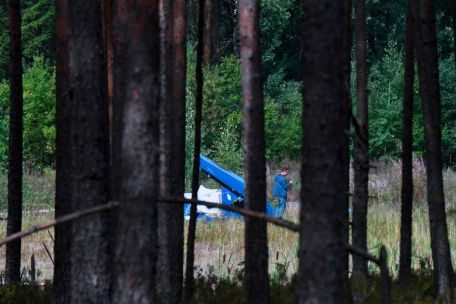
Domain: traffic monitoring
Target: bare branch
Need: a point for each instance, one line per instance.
(362, 253)
(61, 220)
(271, 219)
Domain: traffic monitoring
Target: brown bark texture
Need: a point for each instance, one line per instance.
(62, 246)
(207, 32)
(405, 262)
(136, 252)
(347, 47)
(16, 126)
(215, 32)
(89, 142)
(188, 291)
(107, 7)
(256, 241)
(361, 144)
(320, 273)
(173, 143)
(427, 59)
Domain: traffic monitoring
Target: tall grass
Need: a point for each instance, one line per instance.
(220, 243)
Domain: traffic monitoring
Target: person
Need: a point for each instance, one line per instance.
(280, 190)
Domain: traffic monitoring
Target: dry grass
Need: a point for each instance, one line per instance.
(220, 243)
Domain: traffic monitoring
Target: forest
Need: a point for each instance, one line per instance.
(105, 103)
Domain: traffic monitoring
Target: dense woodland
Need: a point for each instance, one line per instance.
(281, 48)
(117, 96)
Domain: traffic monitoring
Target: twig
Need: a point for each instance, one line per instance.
(61, 220)
(272, 219)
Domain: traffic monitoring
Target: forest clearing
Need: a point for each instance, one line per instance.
(114, 113)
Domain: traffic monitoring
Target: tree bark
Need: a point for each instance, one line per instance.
(215, 32)
(136, 252)
(405, 262)
(207, 32)
(361, 145)
(89, 142)
(188, 292)
(256, 241)
(173, 142)
(16, 126)
(320, 273)
(347, 47)
(62, 246)
(427, 59)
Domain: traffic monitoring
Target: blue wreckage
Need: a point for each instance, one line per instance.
(231, 194)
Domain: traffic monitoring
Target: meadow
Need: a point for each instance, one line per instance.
(220, 243)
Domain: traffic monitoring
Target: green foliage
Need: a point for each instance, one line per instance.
(26, 294)
(38, 34)
(39, 115)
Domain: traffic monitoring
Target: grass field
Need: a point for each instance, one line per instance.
(220, 243)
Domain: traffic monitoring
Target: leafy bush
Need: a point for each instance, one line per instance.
(39, 115)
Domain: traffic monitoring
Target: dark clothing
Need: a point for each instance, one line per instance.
(280, 186)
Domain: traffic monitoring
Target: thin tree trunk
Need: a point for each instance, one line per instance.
(62, 246)
(215, 32)
(256, 241)
(207, 32)
(136, 252)
(107, 7)
(16, 126)
(89, 142)
(320, 273)
(453, 14)
(188, 292)
(347, 47)
(405, 262)
(426, 52)
(361, 146)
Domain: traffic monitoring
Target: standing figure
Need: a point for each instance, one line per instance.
(280, 190)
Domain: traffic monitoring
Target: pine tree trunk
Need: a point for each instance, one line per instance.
(216, 31)
(137, 252)
(256, 242)
(405, 262)
(89, 141)
(320, 273)
(361, 145)
(207, 32)
(173, 143)
(62, 246)
(347, 46)
(188, 291)
(427, 59)
(16, 126)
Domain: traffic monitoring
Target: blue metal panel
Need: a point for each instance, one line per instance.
(229, 180)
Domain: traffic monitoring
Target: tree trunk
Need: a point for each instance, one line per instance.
(215, 32)
(173, 143)
(89, 141)
(16, 126)
(427, 59)
(405, 262)
(361, 145)
(136, 252)
(347, 47)
(62, 246)
(207, 32)
(256, 241)
(188, 292)
(320, 273)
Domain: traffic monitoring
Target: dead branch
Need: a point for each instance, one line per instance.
(272, 219)
(362, 253)
(61, 220)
